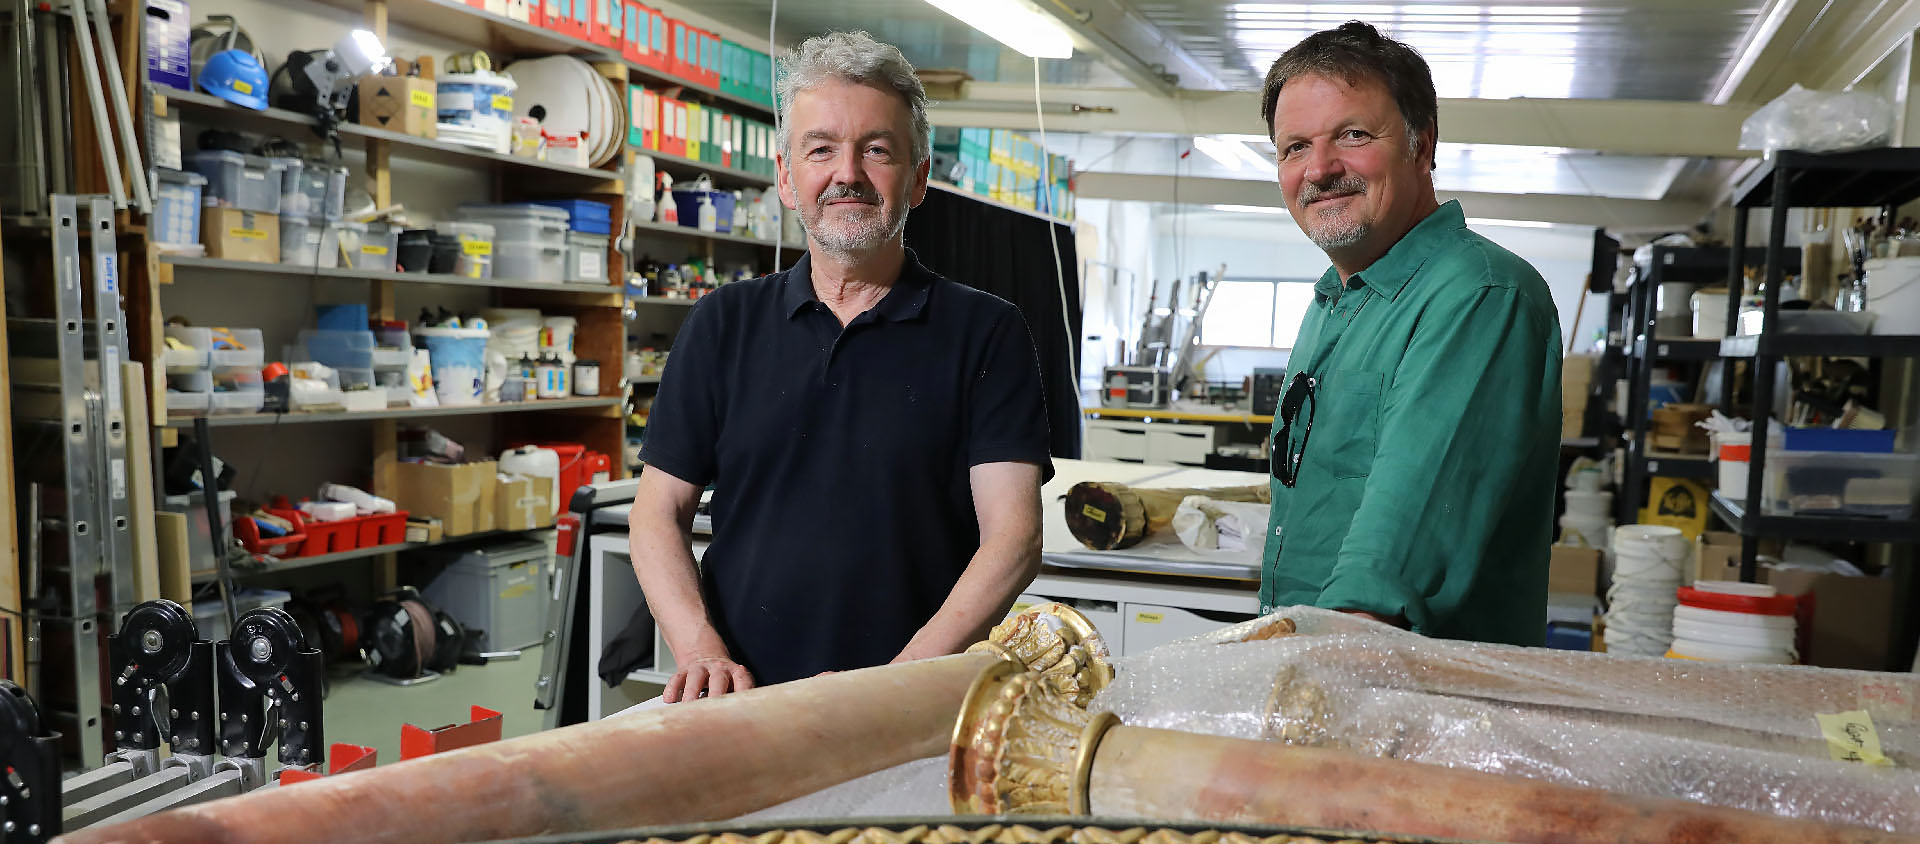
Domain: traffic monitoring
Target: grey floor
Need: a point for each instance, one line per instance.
(369, 712)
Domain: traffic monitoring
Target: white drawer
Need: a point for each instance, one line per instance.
(1114, 442)
(1149, 626)
(1105, 615)
(1186, 445)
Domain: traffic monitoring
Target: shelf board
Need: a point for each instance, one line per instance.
(294, 270)
(281, 121)
(1672, 464)
(1579, 442)
(590, 402)
(295, 563)
(1822, 528)
(663, 301)
(1680, 348)
(456, 21)
(1868, 178)
(1822, 345)
(669, 230)
(645, 379)
(729, 175)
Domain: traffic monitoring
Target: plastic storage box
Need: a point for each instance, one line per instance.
(311, 189)
(309, 242)
(499, 588)
(688, 204)
(237, 347)
(237, 391)
(379, 248)
(176, 207)
(1838, 439)
(520, 222)
(583, 215)
(586, 257)
(1840, 483)
(246, 182)
(192, 359)
(527, 260)
(476, 247)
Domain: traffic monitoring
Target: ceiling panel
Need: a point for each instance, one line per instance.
(929, 37)
(1635, 49)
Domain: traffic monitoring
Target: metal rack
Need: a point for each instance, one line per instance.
(1876, 178)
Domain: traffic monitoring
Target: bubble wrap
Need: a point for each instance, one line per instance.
(1742, 736)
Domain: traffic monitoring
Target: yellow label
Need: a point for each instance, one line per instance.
(373, 250)
(502, 102)
(1149, 617)
(247, 234)
(1851, 738)
(421, 98)
(242, 86)
(515, 591)
(1094, 513)
(477, 247)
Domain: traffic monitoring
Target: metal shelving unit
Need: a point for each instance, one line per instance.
(295, 563)
(401, 413)
(1879, 178)
(296, 272)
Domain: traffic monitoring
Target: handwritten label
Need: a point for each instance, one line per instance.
(477, 247)
(423, 99)
(1094, 513)
(1149, 617)
(1851, 738)
(247, 234)
(502, 102)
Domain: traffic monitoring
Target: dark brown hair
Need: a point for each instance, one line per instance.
(1356, 51)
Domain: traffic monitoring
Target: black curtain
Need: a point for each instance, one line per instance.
(1005, 252)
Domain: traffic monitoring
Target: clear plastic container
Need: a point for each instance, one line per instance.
(586, 257)
(393, 349)
(378, 248)
(309, 242)
(238, 391)
(193, 359)
(530, 261)
(237, 348)
(520, 222)
(176, 207)
(246, 182)
(309, 392)
(338, 349)
(179, 401)
(476, 247)
(311, 189)
(1840, 483)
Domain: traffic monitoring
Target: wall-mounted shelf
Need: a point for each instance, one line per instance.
(296, 563)
(669, 230)
(401, 413)
(221, 265)
(1822, 345)
(1820, 528)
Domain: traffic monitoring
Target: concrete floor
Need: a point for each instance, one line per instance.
(369, 712)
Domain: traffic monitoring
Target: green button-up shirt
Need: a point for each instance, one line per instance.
(1426, 486)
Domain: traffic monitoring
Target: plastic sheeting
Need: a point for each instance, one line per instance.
(1742, 736)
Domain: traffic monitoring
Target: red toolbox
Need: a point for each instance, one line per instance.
(279, 546)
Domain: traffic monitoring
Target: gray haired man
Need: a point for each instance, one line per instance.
(876, 435)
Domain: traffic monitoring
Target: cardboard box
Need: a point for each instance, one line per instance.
(523, 503)
(1574, 570)
(238, 235)
(1850, 620)
(460, 495)
(401, 104)
(1717, 555)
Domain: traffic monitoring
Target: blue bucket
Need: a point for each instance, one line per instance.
(459, 358)
(688, 203)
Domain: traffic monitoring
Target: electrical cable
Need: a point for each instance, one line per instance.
(423, 633)
(1053, 240)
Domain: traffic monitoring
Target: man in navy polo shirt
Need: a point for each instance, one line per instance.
(876, 435)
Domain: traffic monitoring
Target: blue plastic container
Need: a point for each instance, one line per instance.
(584, 216)
(688, 203)
(341, 318)
(459, 362)
(176, 207)
(1839, 439)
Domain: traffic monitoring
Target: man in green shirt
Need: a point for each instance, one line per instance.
(1416, 448)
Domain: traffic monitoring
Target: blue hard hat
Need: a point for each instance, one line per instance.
(237, 77)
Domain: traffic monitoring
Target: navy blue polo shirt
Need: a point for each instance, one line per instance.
(842, 510)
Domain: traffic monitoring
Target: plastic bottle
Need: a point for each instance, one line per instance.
(669, 210)
(739, 222)
(709, 215)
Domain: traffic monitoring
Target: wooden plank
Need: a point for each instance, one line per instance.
(16, 669)
(171, 557)
(146, 554)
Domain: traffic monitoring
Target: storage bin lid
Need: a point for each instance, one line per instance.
(499, 554)
(516, 211)
(587, 239)
(481, 231)
(179, 177)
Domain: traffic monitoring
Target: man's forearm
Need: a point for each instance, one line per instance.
(662, 550)
(993, 578)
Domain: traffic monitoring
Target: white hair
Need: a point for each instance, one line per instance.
(857, 58)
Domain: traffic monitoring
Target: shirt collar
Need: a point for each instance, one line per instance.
(1389, 274)
(907, 300)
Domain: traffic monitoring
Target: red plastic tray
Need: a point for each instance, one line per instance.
(278, 546)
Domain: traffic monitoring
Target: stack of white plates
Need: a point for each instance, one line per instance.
(572, 98)
(1649, 562)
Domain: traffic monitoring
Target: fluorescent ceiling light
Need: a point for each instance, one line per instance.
(1249, 209)
(1512, 224)
(1013, 23)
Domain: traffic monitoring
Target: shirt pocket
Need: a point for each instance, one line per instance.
(1352, 422)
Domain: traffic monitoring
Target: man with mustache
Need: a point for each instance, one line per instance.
(876, 435)
(1415, 449)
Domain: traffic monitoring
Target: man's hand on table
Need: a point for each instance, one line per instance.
(707, 676)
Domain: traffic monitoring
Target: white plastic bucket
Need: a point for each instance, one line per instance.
(556, 336)
(1709, 315)
(1723, 618)
(1592, 504)
(1730, 451)
(1585, 531)
(459, 363)
(1717, 652)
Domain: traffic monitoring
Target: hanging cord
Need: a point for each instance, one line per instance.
(1053, 240)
